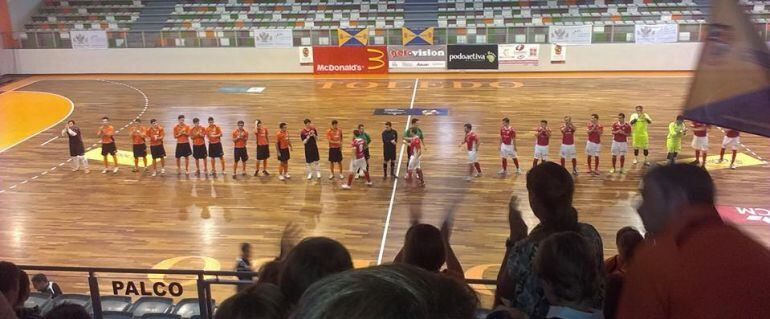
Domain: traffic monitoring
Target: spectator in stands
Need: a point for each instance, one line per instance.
(24, 292)
(9, 288)
(627, 240)
(243, 264)
(67, 311)
(270, 271)
(698, 266)
(517, 231)
(311, 260)
(427, 247)
(566, 265)
(42, 284)
(395, 291)
(261, 301)
(550, 189)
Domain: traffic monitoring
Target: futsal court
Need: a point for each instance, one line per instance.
(52, 216)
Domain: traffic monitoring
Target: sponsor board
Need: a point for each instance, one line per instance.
(519, 54)
(570, 34)
(241, 89)
(350, 60)
(412, 111)
(470, 57)
(558, 53)
(91, 39)
(424, 56)
(305, 55)
(745, 214)
(656, 33)
(273, 38)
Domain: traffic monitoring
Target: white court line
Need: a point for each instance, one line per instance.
(395, 182)
(49, 141)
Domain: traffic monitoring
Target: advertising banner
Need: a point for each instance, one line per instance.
(570, 34)
(519, 54)
(656, 33)
(273, 38)
(472, 57)
(305, 55)
(558, 53)
(89, 39)
(423, 56)
(350, 60)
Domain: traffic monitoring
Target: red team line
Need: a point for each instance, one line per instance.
(359, 165)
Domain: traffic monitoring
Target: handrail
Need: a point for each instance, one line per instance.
(139, 270)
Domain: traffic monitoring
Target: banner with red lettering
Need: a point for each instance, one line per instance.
(746, 214)
(350, 60)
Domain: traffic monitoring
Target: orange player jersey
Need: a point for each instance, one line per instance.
(240, 137)
(138, 134)
(183, 131)
(198, 134)
(335, 137)
(261, 134)
(155, 135)
(283, 139)
(213, 129)
(107, 132)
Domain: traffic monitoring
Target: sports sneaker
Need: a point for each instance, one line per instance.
(621, 171)
(104, 171)
(635, 161)
(468, 178)
(518, 171)
(115, 170)
(341, 176)
(646, 164)
(477, 175)
(369, 183)
(732, 166)
(162, 171)
(154, 173)
(358, 175)
(310, 176)
(243, 173)
(287, 175)
(265, 173)
(76, 169)
(134, 169)
(612, 171)
(331, 177)
(345, 186)
(280, 177)
(575, 172)
(86, 171)
(502, 172)
(318, 175)
(720, 161)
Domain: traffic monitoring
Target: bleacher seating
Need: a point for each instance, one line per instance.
(37, 299)
(235, 22)
(117, 315)
(155, 305)
(114, 303)
(82, 300)
(189, 307)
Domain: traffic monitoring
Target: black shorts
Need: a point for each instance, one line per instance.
(311, 155)
(157, 151)
(240, 154)
(389, 152)
(199, 151)
(366, 154)
(109, 148)
(283, 155)
(335, 155)
(263, 152)
(183, 150)
(140, 150)
(215, 150)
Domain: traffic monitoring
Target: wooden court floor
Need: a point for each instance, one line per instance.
(52, 216)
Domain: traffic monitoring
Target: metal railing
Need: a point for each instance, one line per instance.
(203, 282)
(243, 38)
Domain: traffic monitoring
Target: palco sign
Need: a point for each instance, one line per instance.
(160, 289)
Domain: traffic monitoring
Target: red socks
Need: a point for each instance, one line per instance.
(516, 162)
(478, 167)
(505, 164)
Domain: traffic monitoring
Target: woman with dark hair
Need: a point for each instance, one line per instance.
(261, 301)
(67, 311)
(395, 291)
(427, 247)
(550, 189)
(312, 259)
(9, 288)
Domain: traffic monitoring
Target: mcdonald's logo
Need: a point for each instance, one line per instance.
(379, 58)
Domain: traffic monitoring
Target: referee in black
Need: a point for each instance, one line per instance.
(389, 142)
